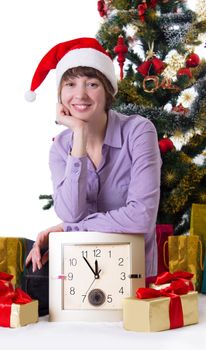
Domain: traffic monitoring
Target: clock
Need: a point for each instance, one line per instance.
(90, 273)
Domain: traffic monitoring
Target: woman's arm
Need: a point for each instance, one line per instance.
(69, 171)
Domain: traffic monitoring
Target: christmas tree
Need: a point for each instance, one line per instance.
(165, 81)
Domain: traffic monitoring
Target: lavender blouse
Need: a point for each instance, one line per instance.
(122, 194)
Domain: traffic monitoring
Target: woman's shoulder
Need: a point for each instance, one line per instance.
(132, 123)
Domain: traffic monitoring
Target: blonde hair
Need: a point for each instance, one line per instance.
(91, 73)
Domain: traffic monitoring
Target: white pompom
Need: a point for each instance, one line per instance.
(30, 96)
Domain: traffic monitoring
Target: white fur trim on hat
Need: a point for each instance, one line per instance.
(87, 57)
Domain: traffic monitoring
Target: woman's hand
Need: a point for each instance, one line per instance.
(42, 241)
(64, 117)
(79, 128)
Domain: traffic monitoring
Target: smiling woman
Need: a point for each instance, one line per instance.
(105, 166)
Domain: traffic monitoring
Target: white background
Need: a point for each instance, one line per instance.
(28, 30)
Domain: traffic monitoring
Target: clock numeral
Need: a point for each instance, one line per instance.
(72, 291)
(109, 298)
(110, 253)
(73, 262)
(70, 276)
(97, 253)
(121, 262)
(123, 276)
(84, 296)
(85, 253)
(121, 291)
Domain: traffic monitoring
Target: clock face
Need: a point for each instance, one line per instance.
(96, 275)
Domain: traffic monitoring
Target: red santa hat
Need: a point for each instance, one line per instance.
(85, 52)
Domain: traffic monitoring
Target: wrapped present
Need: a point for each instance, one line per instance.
(12, 257)
(198, 223)
(158, 310)
(17, 307)
(163, 231)
(164, 279)
(185, 254)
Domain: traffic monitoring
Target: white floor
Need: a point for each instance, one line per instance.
(103, 336)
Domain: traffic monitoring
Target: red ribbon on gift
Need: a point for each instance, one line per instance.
(167, 277)
(9, 296)
(174, 291)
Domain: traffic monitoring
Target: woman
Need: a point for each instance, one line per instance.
(105, 166)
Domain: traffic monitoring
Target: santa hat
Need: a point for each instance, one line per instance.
(85, 52)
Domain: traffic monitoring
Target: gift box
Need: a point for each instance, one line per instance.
(158, 310)
(186, 254)
(163, 231)
(17, 307)
(12, 257)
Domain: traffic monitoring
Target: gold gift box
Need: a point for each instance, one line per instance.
(152, 315)
(23, 314)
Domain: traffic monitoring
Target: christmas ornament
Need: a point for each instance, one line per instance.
(184, 71)
(102, 8)
(180, 109)
(121, 50)
(193, 60)
(87, 52)
(174, 62)
(155, 63)
(152, 62)
(147, 87)
(187, 97)
(165, 145)
(141, 10)
(167, 84)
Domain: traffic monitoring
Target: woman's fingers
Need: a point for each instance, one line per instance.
(45, 257)
(29, 258)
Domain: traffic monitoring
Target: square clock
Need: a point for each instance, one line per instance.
(90, 273)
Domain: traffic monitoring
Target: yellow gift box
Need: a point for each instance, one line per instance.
(152, 315)
(12, 257)
(23, 314)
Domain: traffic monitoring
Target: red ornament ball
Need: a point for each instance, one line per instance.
(184, 71)
(192, 60)
(165, 145)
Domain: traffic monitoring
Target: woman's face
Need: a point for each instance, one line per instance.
(84, 97)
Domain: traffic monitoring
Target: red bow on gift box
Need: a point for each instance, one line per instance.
(167, 277)
(9, 296)
(175, 289)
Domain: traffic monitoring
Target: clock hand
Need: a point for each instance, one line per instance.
(91, 268)
(92, 282)
(90, 285)
(96, 270)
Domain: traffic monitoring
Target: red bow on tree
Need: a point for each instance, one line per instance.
(102, 8)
